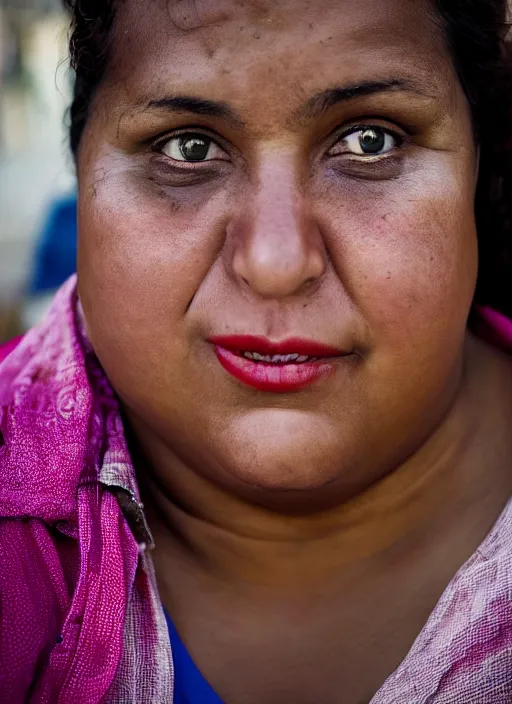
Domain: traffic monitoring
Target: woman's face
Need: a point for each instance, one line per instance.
(298, 170)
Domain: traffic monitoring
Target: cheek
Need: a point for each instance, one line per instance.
(142, 256)
(410, 262)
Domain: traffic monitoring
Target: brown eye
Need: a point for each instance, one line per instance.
(193, 148)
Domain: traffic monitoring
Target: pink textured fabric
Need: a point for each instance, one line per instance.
(71, 630)
(6, 349)
(80, 615)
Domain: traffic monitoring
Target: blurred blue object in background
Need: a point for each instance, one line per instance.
(55, 254)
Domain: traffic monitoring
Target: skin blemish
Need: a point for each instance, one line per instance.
(174, 205)
(97, 183)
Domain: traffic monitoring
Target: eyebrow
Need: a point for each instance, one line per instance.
(321, 103)
(197, 106)
(317, 106)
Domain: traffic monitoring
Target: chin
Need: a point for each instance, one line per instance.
(282, 451)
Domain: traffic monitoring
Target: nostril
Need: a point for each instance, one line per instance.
(2, 439)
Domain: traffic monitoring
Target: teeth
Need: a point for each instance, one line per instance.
(277, 358)
(287, 358)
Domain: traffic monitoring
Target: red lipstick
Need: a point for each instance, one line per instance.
(278, 367)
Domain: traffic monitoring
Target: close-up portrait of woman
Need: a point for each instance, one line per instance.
(259, 450)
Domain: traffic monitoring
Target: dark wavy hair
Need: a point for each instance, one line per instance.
(476, 33)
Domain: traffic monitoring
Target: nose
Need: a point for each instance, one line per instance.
(277, 248)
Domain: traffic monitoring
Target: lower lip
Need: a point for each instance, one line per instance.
(276, 378)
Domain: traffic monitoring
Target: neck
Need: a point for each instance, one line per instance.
(446, 480)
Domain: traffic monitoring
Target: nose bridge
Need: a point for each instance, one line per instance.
(278, 206)
(278, 248)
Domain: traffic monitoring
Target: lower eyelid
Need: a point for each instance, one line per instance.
(381, 168)
(170, 163)
(167, 166)
(364, 157)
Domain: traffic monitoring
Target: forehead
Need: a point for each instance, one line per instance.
(189, 15)
(224, 46)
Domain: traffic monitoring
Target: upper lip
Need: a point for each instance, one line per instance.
(263, 346)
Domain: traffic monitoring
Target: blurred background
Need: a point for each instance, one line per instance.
(37, 185)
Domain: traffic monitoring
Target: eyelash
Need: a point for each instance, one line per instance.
(399, 137)
(160, 142)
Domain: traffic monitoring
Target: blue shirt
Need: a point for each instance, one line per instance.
(190, 687)
(55, 255)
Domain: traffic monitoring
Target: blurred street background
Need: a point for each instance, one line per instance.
(36, 170)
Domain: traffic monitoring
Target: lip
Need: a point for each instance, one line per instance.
(295, 345)
(272, 377)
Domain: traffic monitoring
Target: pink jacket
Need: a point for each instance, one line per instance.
(80, 615)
